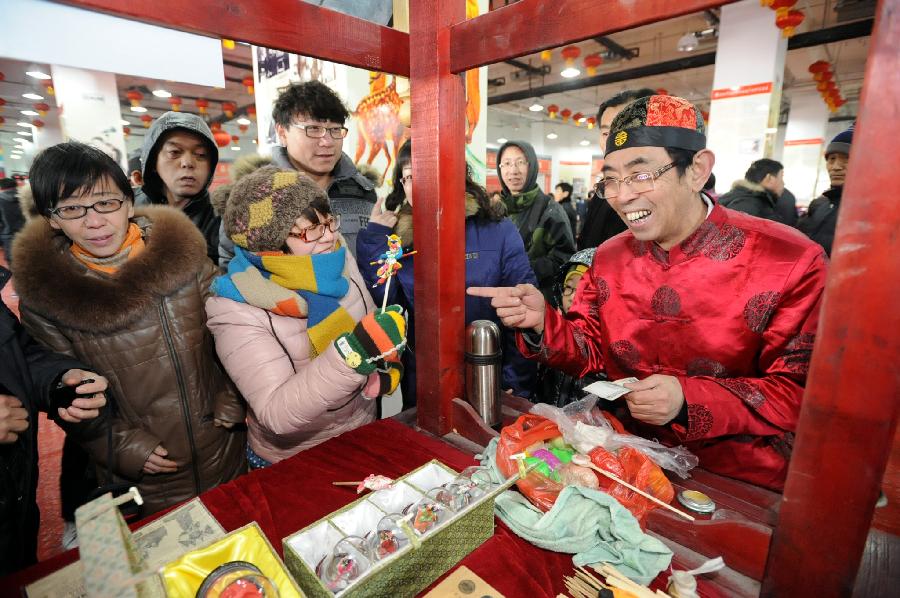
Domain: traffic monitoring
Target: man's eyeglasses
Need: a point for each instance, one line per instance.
(317, 231)
(318, 131)
(74, 212)
(639, 182)
(508, 164)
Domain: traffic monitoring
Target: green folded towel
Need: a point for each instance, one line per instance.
(591, 524)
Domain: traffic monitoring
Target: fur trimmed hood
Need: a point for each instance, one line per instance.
(53, 284)
(745, 184)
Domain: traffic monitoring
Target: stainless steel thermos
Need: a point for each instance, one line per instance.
(483, 357)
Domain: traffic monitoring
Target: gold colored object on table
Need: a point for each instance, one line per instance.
(696, 501)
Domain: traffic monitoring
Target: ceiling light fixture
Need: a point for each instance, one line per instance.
(584, 142)
(688, 42)
(570, 72)
(552, 135)
(243, 121)
(536, 107)
(15, 157)
(26, 133)
(235, 148)
(502, 140)
(138, 109)
(32, 96)
(19, 139)
(29, 112)
(125, 123)
(37, 74)
(23, 124)
(162, 93)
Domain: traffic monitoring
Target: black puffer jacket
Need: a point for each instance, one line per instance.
(600, 223)
(820, 219)
(198, 208)
(752, 198)
(27, 371)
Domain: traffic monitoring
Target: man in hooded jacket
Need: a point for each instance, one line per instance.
(541, 221)
(179, 159)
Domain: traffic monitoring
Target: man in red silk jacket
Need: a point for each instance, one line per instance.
(714, 311)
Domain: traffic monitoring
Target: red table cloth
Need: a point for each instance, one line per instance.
(292, 494)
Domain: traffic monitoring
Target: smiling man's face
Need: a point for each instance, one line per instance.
(183, 164)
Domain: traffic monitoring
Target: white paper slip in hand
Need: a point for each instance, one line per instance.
(609, 391)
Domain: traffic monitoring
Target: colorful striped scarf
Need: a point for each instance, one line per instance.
(298, 286)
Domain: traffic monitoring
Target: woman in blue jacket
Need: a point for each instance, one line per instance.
(495, 256)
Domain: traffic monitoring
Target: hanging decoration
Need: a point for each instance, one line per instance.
(48, 87)
(788, 21)
(578, 117)
(175, 103)
(243, 128)
(565, 114)
(570, 53)
(248, 83)
(552, 110)
(591, 122)
(202, 104)
(591, 62)
(2, 120)
(235, 139)
(146, 119)
(547, 55)
(135, 97)
(228, 44)
(228, 108)
(126, 131)
(251, 112)
(221, 138)
(38, 123)
(2, 76)
(42, 107)
(2, 104)
(825, 85)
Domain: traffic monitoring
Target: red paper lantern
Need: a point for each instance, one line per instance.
(202, 104)
(146, 119)
(38, 123)
(577, 118)
(228, 108)
(2, 120)
(570, 53)
(135, 97)
(251, 112)
(547, 55)
(48, 87)
(221, 138)
(126, 131)
(823, 76)
(781, 4)
(591, 62)
(248, 83)
(215, 126)
(2, 76)
(42, 108)
(552, 110)
(175, 103)
(591, 122)
(565, 114)
(2, 104)
(788, 21)
(819, 66)
(235, 138)
(243, 128)
(228, 44)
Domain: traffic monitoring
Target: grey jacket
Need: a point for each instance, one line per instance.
(350, 194)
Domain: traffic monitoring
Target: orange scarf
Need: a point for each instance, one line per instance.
(131, 247)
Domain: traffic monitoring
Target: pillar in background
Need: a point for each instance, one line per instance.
(746, 94)
(803, 144)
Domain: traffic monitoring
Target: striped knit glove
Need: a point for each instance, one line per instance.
(375, 346)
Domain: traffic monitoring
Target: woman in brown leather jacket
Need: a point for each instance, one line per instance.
(124, 290)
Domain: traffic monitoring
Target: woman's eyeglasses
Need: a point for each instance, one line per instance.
(317, 231)
(74, 212)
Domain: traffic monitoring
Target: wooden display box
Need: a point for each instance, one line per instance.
(412, 568)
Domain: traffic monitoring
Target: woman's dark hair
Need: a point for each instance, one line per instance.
(486, 209)
(64, 169)
(567, 189)
(313, 99)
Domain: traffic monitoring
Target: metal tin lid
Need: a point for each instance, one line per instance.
(482, 338)
(696, 501)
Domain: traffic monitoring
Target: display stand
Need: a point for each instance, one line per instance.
(850, 407)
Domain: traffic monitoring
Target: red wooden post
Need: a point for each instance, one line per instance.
(850, 406)
(438, 145)
(532, 25)
(289, 25)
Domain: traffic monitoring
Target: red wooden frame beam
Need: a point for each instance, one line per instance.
(438, 150)
(850, 408)
(289, 25)
(532, 25)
